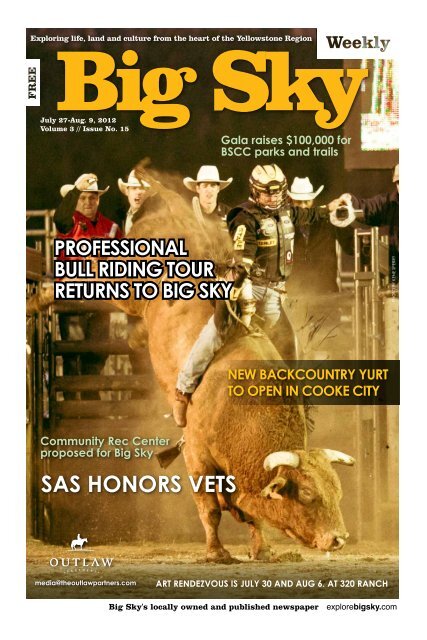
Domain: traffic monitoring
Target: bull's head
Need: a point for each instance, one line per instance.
(309, 492)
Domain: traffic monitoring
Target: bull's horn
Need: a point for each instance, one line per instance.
(338, 456)
(287, 458)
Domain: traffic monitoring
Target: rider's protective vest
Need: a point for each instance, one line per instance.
(263, 240)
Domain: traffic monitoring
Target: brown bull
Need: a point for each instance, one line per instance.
(293, 490)
(264, 447)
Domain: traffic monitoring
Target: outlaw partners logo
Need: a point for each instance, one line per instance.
(78, 542)
(74, 563)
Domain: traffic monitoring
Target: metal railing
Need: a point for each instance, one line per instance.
(47, 234)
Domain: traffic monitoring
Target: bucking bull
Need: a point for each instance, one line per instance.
(278, 481)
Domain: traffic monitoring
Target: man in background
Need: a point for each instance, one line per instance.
(207, 185)
(381, 210)
(77, 217)
(141, 198)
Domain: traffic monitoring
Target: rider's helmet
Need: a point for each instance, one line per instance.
(268, 179)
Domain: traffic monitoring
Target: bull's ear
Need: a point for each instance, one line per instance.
(275, 488)
(338, 456)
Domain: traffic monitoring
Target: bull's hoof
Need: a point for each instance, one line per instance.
(221, 556)
(262, 555)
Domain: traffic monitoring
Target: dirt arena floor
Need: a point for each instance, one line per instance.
(173, 571)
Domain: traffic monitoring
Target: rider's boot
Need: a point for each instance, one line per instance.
(180, 407)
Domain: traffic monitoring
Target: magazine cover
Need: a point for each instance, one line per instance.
(212, 317)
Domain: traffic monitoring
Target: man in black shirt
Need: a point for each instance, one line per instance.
(381, 210)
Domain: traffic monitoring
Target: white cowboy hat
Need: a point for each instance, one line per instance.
(207, 173)
(92, 185)
(133, 181)
(302, 189)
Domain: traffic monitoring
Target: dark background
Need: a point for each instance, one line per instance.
(57, 158)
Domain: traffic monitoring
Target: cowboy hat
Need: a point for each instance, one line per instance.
(133, 181)
(92, 185)
(302, 189)
(207, 173)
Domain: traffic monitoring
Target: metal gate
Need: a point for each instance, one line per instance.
(376, 338)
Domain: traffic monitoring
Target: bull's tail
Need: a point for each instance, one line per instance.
(167, 456)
